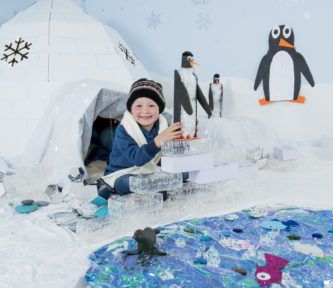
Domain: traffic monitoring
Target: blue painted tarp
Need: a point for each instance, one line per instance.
(219, 251)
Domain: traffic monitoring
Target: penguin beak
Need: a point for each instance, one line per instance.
(193, 63)
(284, 43)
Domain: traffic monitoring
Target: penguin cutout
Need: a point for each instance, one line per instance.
(281, 68)
(186, 95)
(216, 96)
(146, 240)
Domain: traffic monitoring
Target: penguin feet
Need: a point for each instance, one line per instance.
(300, 99)
(263, 101)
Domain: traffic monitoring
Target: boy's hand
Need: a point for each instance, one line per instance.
(170, 133)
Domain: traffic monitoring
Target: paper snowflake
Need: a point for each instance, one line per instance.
(153, 20)
(18, 48)
(127, 53)
(203, 21)
(200, 2)
(290, 3)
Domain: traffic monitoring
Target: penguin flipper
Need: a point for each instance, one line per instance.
(181, 94)
(159, 253)
(133, 252)
(221, 100)
(262, 70)
(203, 102)
(210, 98)
(304, 68)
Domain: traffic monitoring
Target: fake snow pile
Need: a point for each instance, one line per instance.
(39, 253)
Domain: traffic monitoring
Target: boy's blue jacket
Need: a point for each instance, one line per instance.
(126, 152)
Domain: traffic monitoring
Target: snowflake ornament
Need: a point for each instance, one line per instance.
(153, 21)
(203, 21)
(290, 3)
(127, 53)
(200, 2)
(18, 48)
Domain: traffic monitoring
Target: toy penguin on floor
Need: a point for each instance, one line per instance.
(216, 96)
(186, 94)
(281, 68)
(146, 240)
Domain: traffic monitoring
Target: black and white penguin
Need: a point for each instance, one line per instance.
(216, 96)
(281, 68)
(186, 94)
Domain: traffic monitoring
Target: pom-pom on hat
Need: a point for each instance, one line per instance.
(146, 88)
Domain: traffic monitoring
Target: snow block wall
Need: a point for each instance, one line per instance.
(66, 45)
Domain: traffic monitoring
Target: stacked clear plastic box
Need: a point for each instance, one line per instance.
(177, 148)
(154, 182)
(119, 205)
(191, 189)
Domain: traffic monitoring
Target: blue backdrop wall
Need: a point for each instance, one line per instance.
(228, 37)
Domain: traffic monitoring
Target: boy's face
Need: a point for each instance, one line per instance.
(145, 112)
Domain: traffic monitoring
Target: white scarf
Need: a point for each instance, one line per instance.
(133, 129)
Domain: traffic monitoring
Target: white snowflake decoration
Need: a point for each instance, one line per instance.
(200, 2)
(290, 3)
(153, 20)
(203, 21)
(307, 15)
(18, 48)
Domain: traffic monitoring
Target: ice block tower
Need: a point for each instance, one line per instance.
(195, 157)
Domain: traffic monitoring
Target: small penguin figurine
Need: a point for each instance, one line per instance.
(281, 68)
(186, 94)
(146, 240)
(216, 96)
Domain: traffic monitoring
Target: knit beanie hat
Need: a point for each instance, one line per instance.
(146, 88)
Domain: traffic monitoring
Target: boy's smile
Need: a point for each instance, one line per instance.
(145, 111)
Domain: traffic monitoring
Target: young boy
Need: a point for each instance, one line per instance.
(138, 137)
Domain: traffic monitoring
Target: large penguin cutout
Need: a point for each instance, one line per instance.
(281, 68)
(186, 95)
(215, 96)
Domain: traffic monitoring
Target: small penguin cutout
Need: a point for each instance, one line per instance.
(186, 95)
(215, 96)
(281, 68)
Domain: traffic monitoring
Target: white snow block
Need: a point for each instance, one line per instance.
(248, 169)
(215, 174)
(285, 153)
(186, 163)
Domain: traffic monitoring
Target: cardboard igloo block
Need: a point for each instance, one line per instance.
(245, 169)
(285, 153)
(188, 163)
(215, 174)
